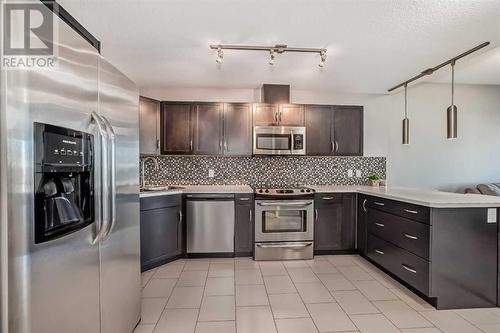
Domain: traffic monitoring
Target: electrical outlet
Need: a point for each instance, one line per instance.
(350, 173)
(211, 173)
(358, 173)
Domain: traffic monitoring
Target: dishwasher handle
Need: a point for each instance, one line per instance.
(210, 196)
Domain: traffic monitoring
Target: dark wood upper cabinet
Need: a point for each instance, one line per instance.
(291, 115)
(176, 128)
(319, 125)
(237, 129)
(265, 114)
(278, 114)
(348, 130)
(149, 126)
(207, 135)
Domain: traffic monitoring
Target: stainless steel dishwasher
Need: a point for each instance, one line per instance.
(210, 223)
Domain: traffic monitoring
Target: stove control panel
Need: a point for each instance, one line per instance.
(284, 191)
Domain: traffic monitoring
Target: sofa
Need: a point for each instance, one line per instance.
(486, 189)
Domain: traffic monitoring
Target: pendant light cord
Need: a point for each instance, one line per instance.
(406, 100)
(453, 83)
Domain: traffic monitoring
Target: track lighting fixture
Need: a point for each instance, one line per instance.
(273, 50)
(272, 55)
(220, 56)
(452, 110)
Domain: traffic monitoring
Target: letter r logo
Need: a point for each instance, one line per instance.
(28, 29)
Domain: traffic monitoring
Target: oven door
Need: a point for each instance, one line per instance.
(284, 220)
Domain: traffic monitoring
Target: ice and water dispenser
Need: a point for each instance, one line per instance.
(64, 181)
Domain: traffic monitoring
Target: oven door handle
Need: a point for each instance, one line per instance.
(298, 246)
(286, 204)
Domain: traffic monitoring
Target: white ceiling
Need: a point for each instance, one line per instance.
(372, 45)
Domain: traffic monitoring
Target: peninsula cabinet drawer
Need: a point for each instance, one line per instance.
(407, 234)
(407, 266)
(414, 270)
(382, 252)
(410, 211)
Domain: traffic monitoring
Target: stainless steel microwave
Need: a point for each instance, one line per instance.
(279, 140)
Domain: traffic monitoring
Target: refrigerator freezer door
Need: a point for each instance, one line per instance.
(52, 286)
(120, 249)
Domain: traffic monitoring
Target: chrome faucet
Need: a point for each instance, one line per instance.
(143, 166)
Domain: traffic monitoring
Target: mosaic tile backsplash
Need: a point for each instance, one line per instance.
(258, 171)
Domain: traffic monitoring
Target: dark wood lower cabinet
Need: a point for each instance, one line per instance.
(161, 230)
(244, 225)
(335, 223)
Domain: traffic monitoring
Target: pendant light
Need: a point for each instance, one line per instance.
(406, 121)
(452, 109)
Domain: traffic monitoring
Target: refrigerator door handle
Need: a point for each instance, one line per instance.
(103, 136)
(112, 171)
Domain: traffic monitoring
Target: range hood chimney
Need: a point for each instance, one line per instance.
(275, 93)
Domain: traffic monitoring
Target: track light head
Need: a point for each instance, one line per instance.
(322, 55)
(272, 57)
(220, 56)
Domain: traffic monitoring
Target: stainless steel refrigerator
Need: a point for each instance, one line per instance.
(69, 190)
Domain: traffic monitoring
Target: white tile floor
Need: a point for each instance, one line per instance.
(328, 294)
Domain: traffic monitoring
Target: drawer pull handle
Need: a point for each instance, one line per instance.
(410, 211)
(379, 224)
(379, 203)
(380, 252)
(244, 199)
(409, 269)
(327, 198)
(410, 236)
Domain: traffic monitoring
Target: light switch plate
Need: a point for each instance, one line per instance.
(211, 173)
(492, 215)
(350, 173)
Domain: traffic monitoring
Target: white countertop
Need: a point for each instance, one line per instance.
(423, 197)
(201, 189)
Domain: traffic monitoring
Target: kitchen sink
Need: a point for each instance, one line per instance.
(160, 188)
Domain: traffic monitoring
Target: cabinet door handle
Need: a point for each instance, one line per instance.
(379, 203)
(281, 115)
(410, 211)
(327, 198)
(191, 145)
(157, 144)
(336, 146)
(332, 146)
(410, 236)
(380, 252)
(409, 269)
(316, 214)
(250, 215)
(225, 146)
(244, 199)
(379, 224)
(180, 216)
(364, 205)
(276, 117)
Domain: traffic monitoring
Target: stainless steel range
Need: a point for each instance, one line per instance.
(284, 223)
